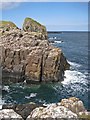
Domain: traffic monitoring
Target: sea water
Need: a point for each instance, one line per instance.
(76, 83)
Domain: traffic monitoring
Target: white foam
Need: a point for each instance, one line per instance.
(58, 42)
(1, 102)
(74, 81)
(31, 95)
(73, 64)
(6, 88)
(74, 77)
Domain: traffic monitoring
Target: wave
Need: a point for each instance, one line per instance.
(6, 88)
(75, 83)
(31, 95)
(1, 102)
(75, 65)
(74, 77)
(58, 42)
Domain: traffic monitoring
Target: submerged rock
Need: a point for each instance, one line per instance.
(28, 55)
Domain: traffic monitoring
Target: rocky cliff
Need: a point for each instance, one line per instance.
(68, 109)
(28, 55)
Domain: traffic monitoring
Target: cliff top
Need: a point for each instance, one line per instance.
(7, 24)
(33, 21)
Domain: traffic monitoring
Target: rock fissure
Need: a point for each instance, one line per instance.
(41, 69)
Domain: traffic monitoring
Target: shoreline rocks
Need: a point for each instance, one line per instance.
(27, 54)
(56, 111)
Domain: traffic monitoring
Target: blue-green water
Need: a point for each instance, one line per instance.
(76, 82)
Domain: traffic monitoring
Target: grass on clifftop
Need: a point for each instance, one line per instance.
(7, 23)
(33, 21)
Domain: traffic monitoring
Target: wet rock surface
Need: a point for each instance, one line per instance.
(27, 54)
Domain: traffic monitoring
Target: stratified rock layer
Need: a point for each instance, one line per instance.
(29, 55)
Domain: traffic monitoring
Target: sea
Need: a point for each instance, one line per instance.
(76, 81)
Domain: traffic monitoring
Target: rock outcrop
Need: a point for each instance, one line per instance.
(31, 25)
(28, 55)
(8, 114)
(23, 110)
(7, 25)
(52, 112)
(67, 109)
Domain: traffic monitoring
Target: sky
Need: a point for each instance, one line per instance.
(56, 16)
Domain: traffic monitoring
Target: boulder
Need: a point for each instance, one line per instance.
(74, 104)
(22, 109)
(9, 114)
(52, 112)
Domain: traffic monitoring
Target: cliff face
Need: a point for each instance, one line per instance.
(29, 55)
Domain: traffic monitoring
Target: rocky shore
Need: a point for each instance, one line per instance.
(68, 109)
(26, 54)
